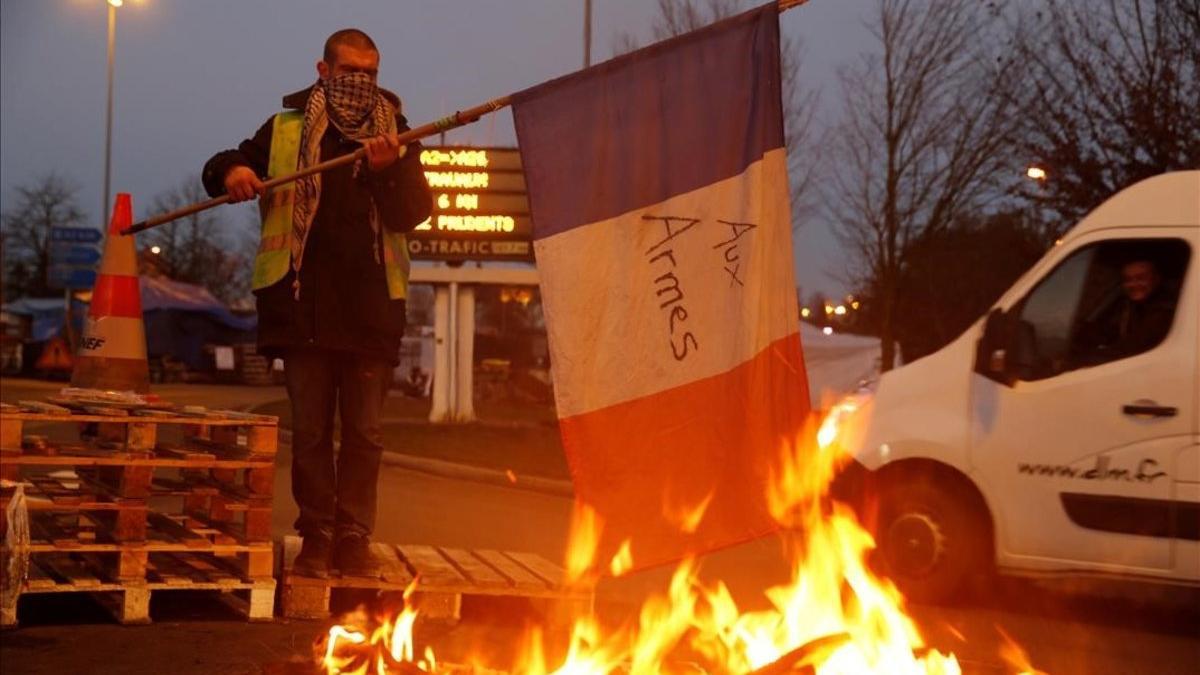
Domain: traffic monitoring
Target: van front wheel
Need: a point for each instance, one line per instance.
(929, 538)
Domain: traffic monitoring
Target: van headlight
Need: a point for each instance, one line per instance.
(836, 422)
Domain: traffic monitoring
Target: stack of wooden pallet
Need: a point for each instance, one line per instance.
(128, 501)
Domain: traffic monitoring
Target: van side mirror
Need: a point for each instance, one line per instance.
(992, 352)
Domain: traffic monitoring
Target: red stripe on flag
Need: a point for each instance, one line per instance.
(719, 436)
(116, 295)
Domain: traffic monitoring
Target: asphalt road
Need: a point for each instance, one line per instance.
(1138, 631)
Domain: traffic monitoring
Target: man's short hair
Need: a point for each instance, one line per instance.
(349, 37)
(1140, 258)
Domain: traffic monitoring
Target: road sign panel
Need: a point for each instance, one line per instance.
(440, 248)
(62, 276)
(480, 210)
(76, 255)
(77, 235)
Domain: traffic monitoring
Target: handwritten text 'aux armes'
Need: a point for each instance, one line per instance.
(664, 258)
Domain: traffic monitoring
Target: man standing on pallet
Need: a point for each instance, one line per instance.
(330, 278)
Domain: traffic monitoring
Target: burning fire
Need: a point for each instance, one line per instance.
(349, 650)
(834, 616)
(622, 562)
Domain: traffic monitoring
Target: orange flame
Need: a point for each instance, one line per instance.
(348, 650)
(622, 562)
(687, 518)
(834, 616)
(583, 541)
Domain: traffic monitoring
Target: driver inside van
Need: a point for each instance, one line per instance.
(1136, 322)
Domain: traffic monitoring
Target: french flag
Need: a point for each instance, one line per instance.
(659, 193)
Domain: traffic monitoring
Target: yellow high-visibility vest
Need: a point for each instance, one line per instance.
(275, 246)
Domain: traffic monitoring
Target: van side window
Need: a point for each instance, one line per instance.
(1104, 302)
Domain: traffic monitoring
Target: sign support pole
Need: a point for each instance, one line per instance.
(440, 410)
(68, 329)
(452, 349)
(464, 404)
(454, 353)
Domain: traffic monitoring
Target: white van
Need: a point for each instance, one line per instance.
(1060, 435)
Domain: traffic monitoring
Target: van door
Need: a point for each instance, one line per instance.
(1187, 496)
(1077, 444)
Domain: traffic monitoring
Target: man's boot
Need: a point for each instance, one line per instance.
(353, 558)
(313, 560)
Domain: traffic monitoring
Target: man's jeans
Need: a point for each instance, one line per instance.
(335, 499)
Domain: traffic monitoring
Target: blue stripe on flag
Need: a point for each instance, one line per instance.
(652, 124)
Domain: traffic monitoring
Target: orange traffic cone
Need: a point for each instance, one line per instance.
(112, 351)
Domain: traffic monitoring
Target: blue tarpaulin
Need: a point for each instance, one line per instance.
(165, 294)
(46, 315)
(180, 319)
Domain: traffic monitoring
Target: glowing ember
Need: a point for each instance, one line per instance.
(834, 616)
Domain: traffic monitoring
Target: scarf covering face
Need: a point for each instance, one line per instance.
(353, 104)
(350, 99)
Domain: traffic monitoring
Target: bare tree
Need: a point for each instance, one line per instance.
(955, 274)
(676, 17)
(200, 249)
(923, 139)
(50, 201)
(1113, 97)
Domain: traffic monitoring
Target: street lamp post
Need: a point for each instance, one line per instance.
(104, 214)
(112, 46)
(587, 33)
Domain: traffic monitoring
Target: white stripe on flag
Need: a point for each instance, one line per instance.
(675, 292)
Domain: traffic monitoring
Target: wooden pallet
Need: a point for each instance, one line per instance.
(442, 576)
(52, 532)
(130, 503)
(129, 602)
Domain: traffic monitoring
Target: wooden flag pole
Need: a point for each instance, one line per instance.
(458, 119)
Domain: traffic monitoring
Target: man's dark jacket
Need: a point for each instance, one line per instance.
(343, 303)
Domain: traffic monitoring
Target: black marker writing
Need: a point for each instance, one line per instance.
(731, 249)
(667, 289)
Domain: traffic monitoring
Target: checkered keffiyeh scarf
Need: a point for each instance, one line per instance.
(353, 104)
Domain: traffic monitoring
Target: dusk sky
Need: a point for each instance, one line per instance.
(194, 77)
